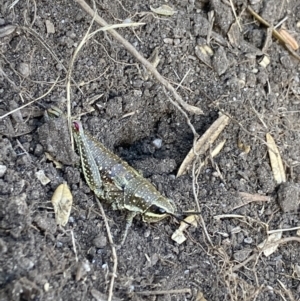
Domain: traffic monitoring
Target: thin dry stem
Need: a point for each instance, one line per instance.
(74, 246)
(236, 17)
(141, 59)
(183, 112)
(283, 230)
(179, 291)
(31, 102)
(113, 250)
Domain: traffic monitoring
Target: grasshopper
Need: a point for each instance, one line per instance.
(117, 183)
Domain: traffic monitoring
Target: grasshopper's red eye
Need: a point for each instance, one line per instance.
(76, 126)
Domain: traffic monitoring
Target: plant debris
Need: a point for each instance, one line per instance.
(62, 201)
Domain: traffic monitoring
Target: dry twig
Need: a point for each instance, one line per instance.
(141, 59)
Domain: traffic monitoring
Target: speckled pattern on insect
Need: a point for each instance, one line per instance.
(117, 183)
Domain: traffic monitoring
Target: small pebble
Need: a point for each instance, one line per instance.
(59, 244)
(168, 41)
(42, 177)
(6, 30)
(24, 69)
(248, 240)
(3, 169)
(82, 269)
(157, 143)
(147, 233)
(100, 241)
(220, 62)
(3, 246)
(289, 196)
(176, 42)
(26, 263)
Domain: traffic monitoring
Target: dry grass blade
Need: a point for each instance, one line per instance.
(86, 37)
(283, 230)
(287, 291)
(164, 10)
(113, 26)
(204, 142)
(7, 30)
(291, 40)
(275, 33)
(62, 201)
(276, 162)
(247, 198)
(175, 291)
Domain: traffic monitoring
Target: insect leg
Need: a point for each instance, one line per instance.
(129, 218)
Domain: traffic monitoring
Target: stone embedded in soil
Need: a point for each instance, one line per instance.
(45, 224)
(288, 196)
(7, 153)
(100, 241)
(24, 69)
(3, 169)
(157, 143)
(54, 137)
(3, 246)
(220, 62)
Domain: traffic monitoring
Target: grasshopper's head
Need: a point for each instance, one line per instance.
(77, 127)
(160, 208)
(77, 131)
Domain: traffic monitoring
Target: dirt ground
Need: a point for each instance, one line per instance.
(126, 108)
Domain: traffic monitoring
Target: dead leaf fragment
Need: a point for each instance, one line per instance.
(164, 10)
(62, 201)
(204, 142)
(50, 27)
(204, 54)
(42, 177)
(297, 270)
(200, 296)
(247, 198)
(289, 39)
(269, 245)
(178, 235)
(276, 162)
(234, 34)
(7, 30)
